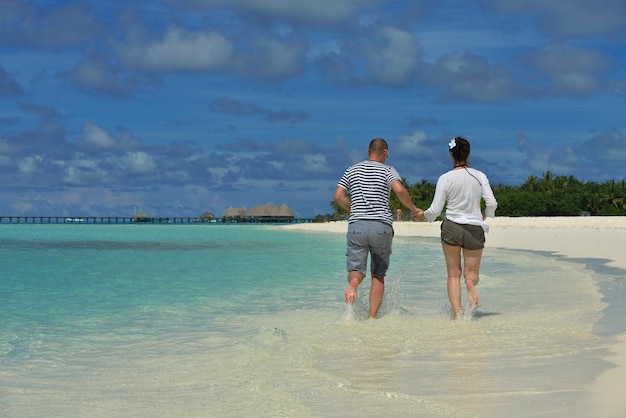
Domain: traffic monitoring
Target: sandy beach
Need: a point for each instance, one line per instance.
(599, 238)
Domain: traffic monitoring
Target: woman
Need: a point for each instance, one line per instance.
(463, 228)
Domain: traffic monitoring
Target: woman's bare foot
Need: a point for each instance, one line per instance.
(472, 296)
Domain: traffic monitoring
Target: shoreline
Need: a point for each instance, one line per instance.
(574, 238)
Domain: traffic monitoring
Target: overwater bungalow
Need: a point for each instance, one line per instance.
(260, 213)
(141, 217)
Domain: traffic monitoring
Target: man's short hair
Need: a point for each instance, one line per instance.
(378, 146)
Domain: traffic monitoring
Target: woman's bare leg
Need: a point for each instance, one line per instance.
(452, 255)
(471, 270)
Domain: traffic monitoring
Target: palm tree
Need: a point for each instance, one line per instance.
(547, 183)
(593, 203)
(531, 184)
(612, 195)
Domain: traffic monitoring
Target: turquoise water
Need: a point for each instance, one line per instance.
(233, 320)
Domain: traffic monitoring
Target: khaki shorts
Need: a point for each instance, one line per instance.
(367, 238)
(470, 237)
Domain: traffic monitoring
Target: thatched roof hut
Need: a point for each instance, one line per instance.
(232, 212)
(140, 217)
(272, 211)
(266, 212)
(207, 215)
(286, 212)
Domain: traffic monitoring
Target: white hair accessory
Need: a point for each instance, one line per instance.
(452, 143)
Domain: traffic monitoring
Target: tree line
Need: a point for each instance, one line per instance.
(548, 195)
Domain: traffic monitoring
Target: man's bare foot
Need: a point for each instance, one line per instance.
(472, 296)
(350, 296)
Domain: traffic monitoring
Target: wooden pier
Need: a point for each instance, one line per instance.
(143, 220)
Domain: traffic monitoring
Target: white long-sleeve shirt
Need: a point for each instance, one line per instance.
(461, 192)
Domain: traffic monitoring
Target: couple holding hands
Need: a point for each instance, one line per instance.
(364, 191)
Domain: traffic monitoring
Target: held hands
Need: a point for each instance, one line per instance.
(418, 215)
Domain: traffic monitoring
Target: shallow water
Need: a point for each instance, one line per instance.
(232, 320)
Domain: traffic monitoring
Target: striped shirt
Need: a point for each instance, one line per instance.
(369, 184)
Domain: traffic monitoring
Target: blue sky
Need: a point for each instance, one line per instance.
(179, 107)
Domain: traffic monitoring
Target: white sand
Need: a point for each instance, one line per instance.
(571, 237)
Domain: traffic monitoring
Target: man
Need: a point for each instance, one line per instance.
(364, 191)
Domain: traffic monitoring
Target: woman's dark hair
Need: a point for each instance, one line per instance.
(460, 149)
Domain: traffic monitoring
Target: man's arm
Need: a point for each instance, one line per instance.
(341, 197)
(405, 198)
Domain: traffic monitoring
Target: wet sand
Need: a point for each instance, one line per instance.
(601, 238)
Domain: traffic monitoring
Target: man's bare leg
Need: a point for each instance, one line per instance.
(376, 295)
(354, 280)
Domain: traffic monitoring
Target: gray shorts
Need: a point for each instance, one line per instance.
(365, 238)
(470, 237)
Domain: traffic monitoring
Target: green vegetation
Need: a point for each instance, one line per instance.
(549, 195)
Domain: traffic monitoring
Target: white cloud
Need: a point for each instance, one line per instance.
(271, 58)
(97, 74)
(28, 165)
(97, 137)
(139, 163)
(409, 144)
(178, 50)
(571, 69)
(470, 77)
(81, 170)
(317, 164)
(572, 17)
(393, 56)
